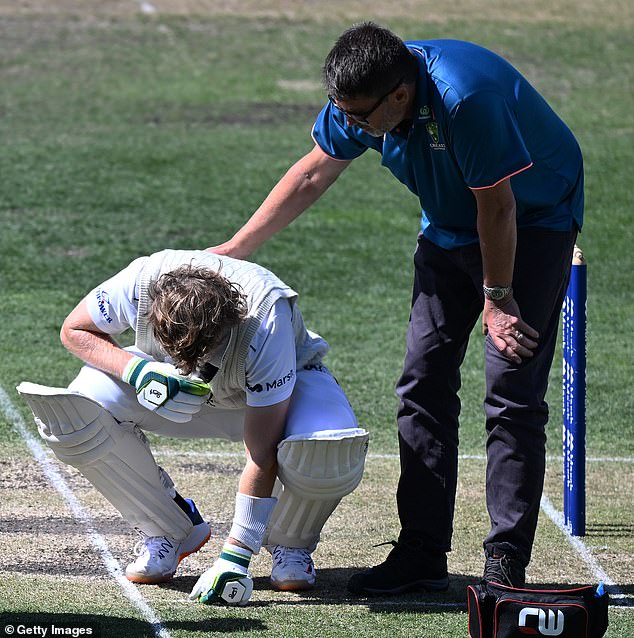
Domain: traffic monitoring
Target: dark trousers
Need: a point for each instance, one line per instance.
(446, 304)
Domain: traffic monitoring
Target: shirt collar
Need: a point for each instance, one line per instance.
(423, 111)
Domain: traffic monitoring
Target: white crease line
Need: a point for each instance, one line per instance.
(586, 555)
(97, 540)
(472, 457)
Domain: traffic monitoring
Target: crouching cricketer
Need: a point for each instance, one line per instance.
(222, 351)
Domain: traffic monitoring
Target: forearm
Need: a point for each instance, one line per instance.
(80, 337)
(263, 430)
(497, 231)
(498, 239)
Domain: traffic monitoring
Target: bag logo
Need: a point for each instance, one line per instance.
(548, 625)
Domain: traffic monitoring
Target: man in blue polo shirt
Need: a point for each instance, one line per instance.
(500, 181)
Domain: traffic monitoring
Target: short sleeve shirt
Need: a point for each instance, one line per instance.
(476, 122)
(271, 360)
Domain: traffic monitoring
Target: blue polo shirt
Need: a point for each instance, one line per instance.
(477, 122)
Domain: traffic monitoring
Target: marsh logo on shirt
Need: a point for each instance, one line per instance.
(436, 144)
(278, 383)
(103, 300)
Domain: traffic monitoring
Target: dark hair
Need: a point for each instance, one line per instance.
(366, 61)
(191, 309)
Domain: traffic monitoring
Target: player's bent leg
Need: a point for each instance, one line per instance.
(315, 472)
(113, 456)
(317, 466)
(116, 459)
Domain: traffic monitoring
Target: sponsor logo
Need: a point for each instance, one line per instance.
(316, 366)
(233, 591)
(278, 383)
(255, 388)
(103, 300)
(166, 546)
(547, 624)
(424, 112)
(155, 393)
(432, 130)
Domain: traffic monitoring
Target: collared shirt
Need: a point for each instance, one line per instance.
(477, 121)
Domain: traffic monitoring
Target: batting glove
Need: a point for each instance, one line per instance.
(228, 581)
(162, 389)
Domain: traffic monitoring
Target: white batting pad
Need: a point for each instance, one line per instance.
(114, 457)
(315, 472)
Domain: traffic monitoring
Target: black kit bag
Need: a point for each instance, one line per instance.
(498, 611)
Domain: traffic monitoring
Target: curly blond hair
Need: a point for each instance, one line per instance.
(191, 309)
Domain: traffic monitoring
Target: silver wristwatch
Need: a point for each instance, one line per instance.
(497, 293)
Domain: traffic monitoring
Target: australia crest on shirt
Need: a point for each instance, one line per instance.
(432, 131)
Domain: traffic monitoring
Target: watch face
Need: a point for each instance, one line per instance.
(496, 293)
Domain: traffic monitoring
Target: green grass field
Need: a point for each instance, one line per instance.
(125, 132)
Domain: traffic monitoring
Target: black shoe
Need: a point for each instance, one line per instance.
(504, 569)
(406, 568)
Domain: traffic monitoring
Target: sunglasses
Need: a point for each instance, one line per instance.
(362, 118)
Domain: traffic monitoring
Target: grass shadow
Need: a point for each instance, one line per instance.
(331, 589)
(610, 530)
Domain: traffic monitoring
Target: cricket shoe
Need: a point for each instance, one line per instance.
(293, 569)
(159, 556)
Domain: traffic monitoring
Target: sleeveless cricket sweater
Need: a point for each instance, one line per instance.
(261, 289)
